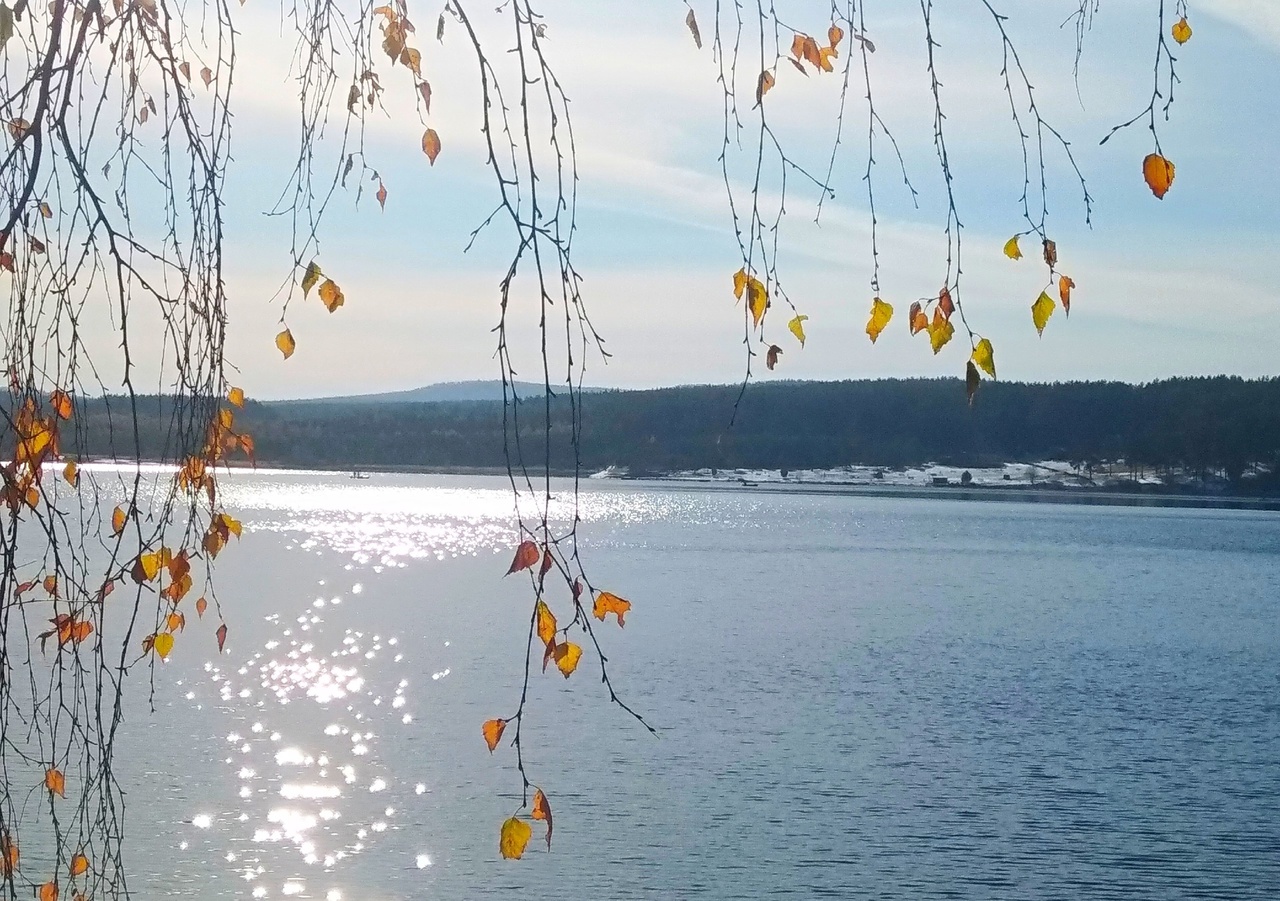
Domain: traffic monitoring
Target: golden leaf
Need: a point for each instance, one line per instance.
(236, 396)
(331, 295)
(1012, 250)
(757, 299)
(1158, 173)
(48, 892)
(606, 603)
(79, 865)
(431, 145)
(45, 210)
(285, 342)
(514, 838)
(492, 732)
(412, 60)
(984, 356)
(835, 34)
(55, 781)
(796, 325)
(1065, 284)
(881, 313)
(310, 277)
(542, 811)
(567, 655)
(739, 283)
(546, 623)
(61, 403)
(919, 322)
(162, 644)
(70, 473)
(117, 521)
(940, 331)
(1041, 310)
(1181, 30)
(527, 554)
(201, 606)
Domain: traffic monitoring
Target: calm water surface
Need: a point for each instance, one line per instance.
(856, 697)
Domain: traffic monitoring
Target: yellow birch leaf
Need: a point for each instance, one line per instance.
(1181, 30)
(162, 644)
(285, 342)
(881, 313)
(567, 655)
(739, 283)
(492, 731)
(236, 396)
(757, 300)
(514, 838)
(1158, 174)
(431, 145)
(984, 356)
(546, 623)
(79, 865)
(796, 325)
(607, 603)
(201, 606)
(70, 473)
(310, 277)
(1041, 310)
(331, 295)
(1012, 250)
(55, 781)
(940, 331)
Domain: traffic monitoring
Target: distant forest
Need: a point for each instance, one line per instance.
(1211, 426)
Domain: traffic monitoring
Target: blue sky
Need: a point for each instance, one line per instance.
(1174, 287)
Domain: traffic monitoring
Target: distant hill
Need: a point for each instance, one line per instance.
(441, 392)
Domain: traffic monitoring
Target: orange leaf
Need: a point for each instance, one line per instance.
(51, 584)
(431, 145)
(492, 732)
(48, 892)
(607, 603)
(8, 855)
(176, 622)
(201, 606)
(79, 865)
(919, 322)
(944, 302)
(382, 200)
(797, 46)
(1158, 173)
(527, 555)
(330, 294)
(1065, 284)
(542, 811)
(117, 521)
(55, 782)
(61, 403)
(1181, 30)
(835, 34)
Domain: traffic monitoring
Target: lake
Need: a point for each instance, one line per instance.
(855, 697)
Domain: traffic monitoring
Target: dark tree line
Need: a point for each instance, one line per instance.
(1223, 425)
